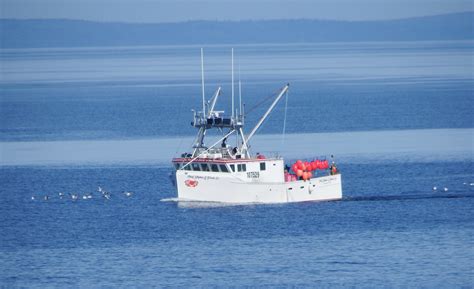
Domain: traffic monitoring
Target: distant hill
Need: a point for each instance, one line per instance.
(65, 33)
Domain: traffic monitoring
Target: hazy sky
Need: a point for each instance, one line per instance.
(182, 10)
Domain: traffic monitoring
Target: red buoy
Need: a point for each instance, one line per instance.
(294, 167)
(307, 165)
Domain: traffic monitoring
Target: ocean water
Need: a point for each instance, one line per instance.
(148, 92)
(397, 117)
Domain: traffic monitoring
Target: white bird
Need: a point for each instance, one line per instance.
(128, 194)
(61, 195)
(99, 189)
(32, 198)
(84, 197)
(46, 198)
(471, 184)
(89, 196)
(445, 189)
(435, 188)
(105, 194)
(74, 197)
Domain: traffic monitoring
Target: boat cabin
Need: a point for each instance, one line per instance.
(254, 170)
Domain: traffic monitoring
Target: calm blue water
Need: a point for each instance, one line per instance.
(385, 101)
(117, 93)
(391, 229)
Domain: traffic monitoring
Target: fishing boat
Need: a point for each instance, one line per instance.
(233, 174)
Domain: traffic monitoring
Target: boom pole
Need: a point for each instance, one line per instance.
(254, 130)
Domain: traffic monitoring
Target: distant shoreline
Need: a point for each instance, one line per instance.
(45, 33)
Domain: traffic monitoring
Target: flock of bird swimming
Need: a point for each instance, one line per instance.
(107, 195)
(435, 188)
(73, 196)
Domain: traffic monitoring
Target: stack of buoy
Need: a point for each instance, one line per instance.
(304, 169)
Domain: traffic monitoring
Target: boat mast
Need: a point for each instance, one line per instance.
(232, 84)
(205, 120)
(202, 82)
(260, 122)
(201, 121)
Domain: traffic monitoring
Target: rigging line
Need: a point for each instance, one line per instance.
(262, 102)
(284, 122)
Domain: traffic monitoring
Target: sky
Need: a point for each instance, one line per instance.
(155, 11)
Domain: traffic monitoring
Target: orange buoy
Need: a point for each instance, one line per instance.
(299, 173)
(305, 176)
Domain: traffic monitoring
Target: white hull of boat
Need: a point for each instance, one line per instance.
(227, 188)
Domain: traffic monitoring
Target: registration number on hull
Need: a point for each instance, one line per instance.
(253, 175)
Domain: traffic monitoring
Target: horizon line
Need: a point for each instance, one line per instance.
(236, 21)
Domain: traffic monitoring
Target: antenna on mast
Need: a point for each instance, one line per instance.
(240, 94)
(232, 82)
(202, 82)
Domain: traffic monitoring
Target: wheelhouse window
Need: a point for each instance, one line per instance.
(241, 167)
(262, 166)
(177, 165)
(204, 167)
(196, 167)
(232, 167)
(223, 168)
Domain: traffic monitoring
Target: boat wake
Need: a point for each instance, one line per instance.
(406, 197)
(170, 200)
(186, 203)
